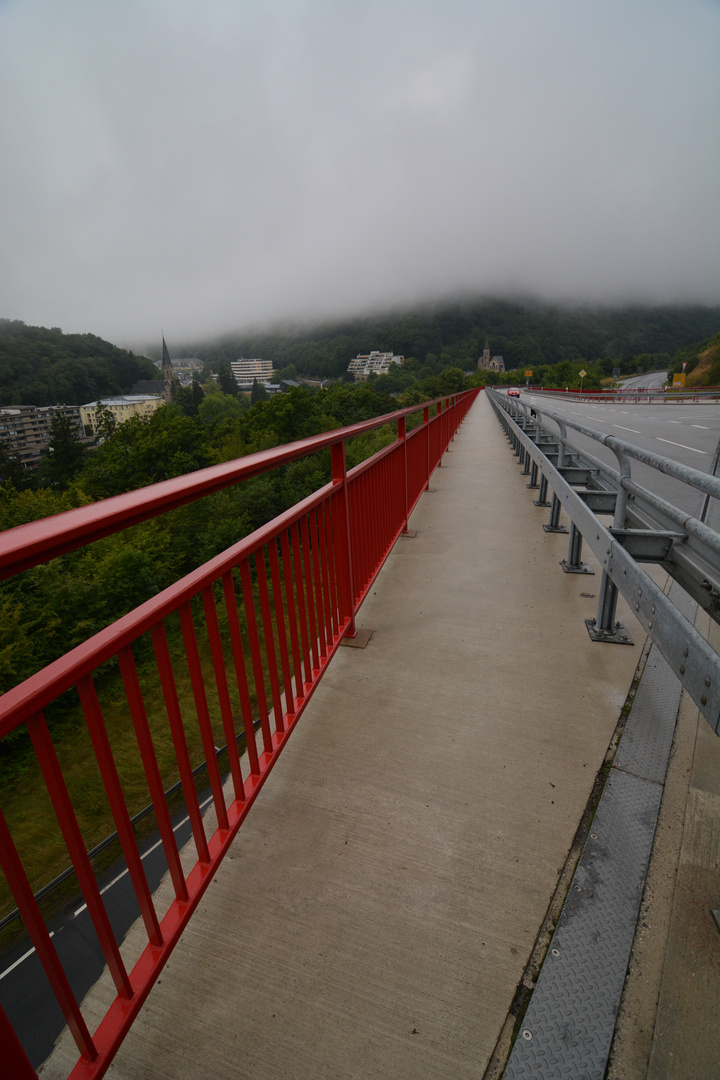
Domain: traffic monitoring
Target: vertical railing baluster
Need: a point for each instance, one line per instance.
(218, 659)
(280, 625)
(292, 614)
(309, 595)
(240, 671)
(113, 789)
(16, 1063)
(270, 651)
(203, 713)
(254, 640)
(177, 731)
(65, 815)
(152, 770)
(298, 578)
(317, 583)
(30, 912)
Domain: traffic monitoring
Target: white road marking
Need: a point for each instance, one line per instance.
(143, 856)
(682, 446)
(703, 426)
(108, 886)
(634, 430)
(21, 958)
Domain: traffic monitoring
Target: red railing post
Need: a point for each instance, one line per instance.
(16, 1063)
(344, 535)
(426, 422)
(402, 437)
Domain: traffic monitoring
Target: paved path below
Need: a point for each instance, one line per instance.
(380, 904)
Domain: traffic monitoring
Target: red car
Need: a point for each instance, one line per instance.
(513, 393)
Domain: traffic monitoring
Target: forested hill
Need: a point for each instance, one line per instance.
(526, 335)
(46, 367)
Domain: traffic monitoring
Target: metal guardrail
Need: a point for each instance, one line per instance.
(645, 529)
(651, 395)
(260, 621)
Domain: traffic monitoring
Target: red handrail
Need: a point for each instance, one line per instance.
(288, 594)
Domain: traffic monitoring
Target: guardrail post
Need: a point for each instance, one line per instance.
(574, 564)
(603, 627)
(554, 526)
(533, 476)
(542, 499)
(345, 560)
(525, 463)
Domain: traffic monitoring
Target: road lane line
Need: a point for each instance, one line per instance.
(143, 856)
(21, 958)
(634, 430)
(682, 445)
(703, 426)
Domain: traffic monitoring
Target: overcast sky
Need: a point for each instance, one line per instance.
(198, 167)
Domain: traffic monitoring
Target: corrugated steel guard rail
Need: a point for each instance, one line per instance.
(295, 585)
(645, 529)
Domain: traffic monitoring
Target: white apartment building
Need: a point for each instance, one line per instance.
(122, 408)
(379, 362)
(247, 370)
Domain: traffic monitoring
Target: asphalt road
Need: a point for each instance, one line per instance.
(25, 993)
(685, 431)
(647, 381)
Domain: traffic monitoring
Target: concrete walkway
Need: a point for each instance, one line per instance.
(381, 902)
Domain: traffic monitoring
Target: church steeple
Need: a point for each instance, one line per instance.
(167, 371)
(484, 363)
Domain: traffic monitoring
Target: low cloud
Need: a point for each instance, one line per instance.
(199, 168)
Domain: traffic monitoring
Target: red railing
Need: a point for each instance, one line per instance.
(258, 626)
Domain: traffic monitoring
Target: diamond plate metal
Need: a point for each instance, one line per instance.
(645, 746)
(568, 1027)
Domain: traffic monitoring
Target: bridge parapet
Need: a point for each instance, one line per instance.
(256, 626)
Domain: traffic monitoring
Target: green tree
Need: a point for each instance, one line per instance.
(258, 393)
(105, 421)
(219, 406)
(450, 381)
(188, 398)
(65, 457)
(226, 379)
(12, 470)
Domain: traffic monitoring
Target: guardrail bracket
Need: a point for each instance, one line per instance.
(618, 636)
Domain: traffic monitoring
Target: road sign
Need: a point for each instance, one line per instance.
(528, 374)
(583, 374)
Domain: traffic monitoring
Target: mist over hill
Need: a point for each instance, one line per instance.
(524, 333)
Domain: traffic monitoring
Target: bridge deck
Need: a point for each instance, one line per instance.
(382, 900)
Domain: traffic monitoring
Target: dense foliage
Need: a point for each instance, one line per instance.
(51, 608)
(46, 367)
(702, 363)
(527, 335)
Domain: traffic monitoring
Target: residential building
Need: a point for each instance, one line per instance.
(247, 370)
(186, 369)
(25, 429)
(122, 408)
(377, 362)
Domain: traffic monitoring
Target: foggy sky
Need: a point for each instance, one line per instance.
(200, 167)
